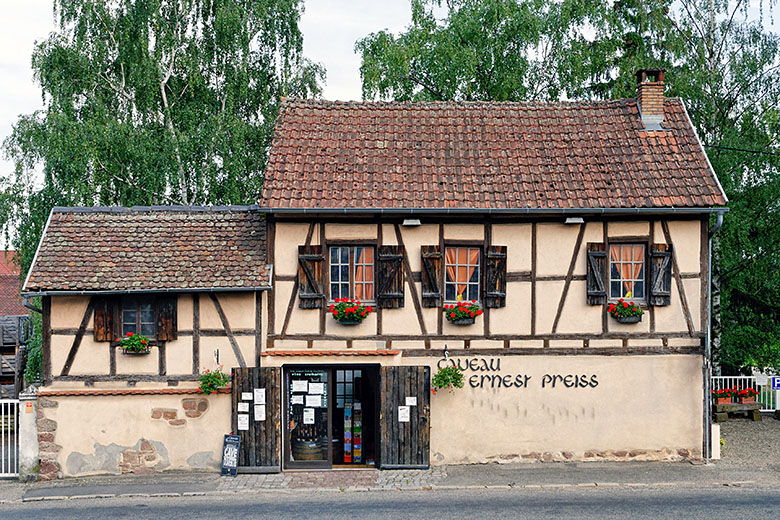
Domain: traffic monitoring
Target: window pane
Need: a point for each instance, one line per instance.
(449, 293)
(614, 290)
(368, 255)
(344, 255)
(639, 289)
(344, 273)
(368, 273)
(129, 316)
(147, 316)
(474, 275)
(463, 255)
(334, 273)
(128, 327)
(334, 255)
(147, 329)
(473, 292)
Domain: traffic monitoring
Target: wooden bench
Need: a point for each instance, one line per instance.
(722, 411)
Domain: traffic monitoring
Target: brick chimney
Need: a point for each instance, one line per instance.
(650, 97)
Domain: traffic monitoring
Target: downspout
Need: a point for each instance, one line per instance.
(26, 303)
(707, 351)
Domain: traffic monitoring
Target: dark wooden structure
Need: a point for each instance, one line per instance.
(405, 444)
(260, 450)
(721, 411)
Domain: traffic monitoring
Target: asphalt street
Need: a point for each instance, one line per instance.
(590, 503)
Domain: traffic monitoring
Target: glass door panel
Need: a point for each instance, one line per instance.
(307, 420)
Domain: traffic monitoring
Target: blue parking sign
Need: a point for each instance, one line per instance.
(776, 383)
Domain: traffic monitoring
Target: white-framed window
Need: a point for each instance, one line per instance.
(627, 271)
(352, 272)
(461, 273)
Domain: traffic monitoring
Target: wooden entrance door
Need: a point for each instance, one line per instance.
(404, 444)
(260, 450)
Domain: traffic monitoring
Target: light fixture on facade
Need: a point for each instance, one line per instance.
(575, 220)
(412, 222)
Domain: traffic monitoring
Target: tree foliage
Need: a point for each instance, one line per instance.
(152, 102)
(723, 64)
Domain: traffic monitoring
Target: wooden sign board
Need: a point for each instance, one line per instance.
(230, 455)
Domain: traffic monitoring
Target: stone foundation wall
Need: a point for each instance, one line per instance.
(139, 434)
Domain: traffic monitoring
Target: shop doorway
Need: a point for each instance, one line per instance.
(331, 416)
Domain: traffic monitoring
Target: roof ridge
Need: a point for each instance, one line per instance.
(148, 209)
(290, 102)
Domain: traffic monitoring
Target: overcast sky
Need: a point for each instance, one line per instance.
(330, 29)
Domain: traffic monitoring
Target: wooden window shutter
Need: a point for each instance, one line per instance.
(495, 277)
(390, 277)
(310, 290)
(166, 318)
(660, 292)
(103, 322)
(597, 273)
(431, 276)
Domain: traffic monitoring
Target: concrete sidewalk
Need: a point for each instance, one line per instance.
(490, 476)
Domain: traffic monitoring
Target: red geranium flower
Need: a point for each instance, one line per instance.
(479, 313)
(143, 341)
(369, 309)
(625, 304)
(452, 315)
(471, 314)
(129, 334)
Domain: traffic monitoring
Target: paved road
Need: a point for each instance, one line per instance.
(591, 503)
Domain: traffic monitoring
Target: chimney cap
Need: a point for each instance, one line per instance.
(649, 75)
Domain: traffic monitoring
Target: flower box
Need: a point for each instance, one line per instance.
(350, 322)
(746, 400)
(464, 313)
(130, 352)
(349, 311)
(723, 400)
(628, 319)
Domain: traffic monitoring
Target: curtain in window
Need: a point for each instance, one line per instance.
(456, 259)
(624, 256)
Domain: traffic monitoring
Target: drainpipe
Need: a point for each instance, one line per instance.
(26, 303)
(708, 339)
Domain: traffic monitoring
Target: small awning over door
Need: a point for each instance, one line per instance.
(404, 444)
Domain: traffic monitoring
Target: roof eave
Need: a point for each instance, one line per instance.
(498, 211)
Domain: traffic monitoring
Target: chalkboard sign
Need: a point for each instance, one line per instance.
(230, 455)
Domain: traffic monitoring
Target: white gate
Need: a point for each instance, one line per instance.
(9, 447)
(766, 395)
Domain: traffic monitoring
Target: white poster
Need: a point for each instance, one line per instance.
(314, 401)
(296, 399)
(259, 412)
(300, 386)
(308, 416)
(403, 414)
(762, 380)
(316, 388)
(243, 421)
(246, 396)
(411, 401)
(259, 395)
(243, 407)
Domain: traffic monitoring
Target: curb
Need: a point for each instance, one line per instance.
(364, 489)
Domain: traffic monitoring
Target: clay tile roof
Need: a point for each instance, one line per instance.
(147, 249)
(10, 299)
(480, 155)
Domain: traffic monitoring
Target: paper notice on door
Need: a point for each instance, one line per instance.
(316, 388)
(411, 401)
(314, 401)
(296, 399)
(243, 422)
(259, 395)
(300, 386)
(403, 414)
(246, 396)
(243, 407)
(259, 412)
(308, 416)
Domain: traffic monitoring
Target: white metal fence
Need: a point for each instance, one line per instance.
(767, 396)
(9, 447)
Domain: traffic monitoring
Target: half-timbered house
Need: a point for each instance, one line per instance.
(543, 215)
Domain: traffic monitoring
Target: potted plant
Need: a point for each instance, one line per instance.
(134, 344)
(625, 312)
(212, 380)
(723, 396)
(348, 311)
(463, 313)
(748, 395)
(449, 377)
